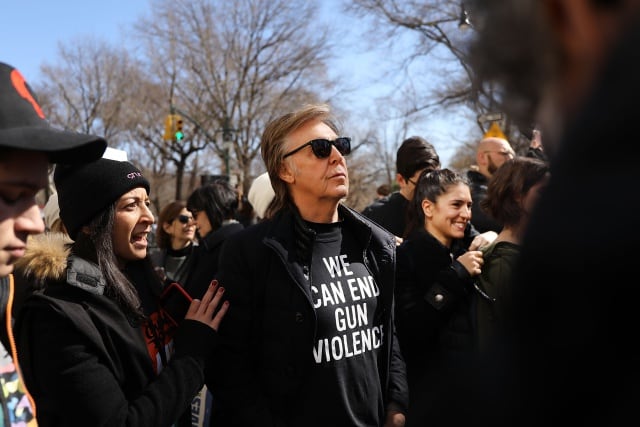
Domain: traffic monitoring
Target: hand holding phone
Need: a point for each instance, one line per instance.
(175, 302)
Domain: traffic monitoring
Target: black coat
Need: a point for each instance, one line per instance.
(269, 331)
(86, 362)
(206, 259)
(482, 221)
(433, 300)
(390, 212)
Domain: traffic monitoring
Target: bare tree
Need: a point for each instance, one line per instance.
(88, 91)
(434, 27)
(230, 66)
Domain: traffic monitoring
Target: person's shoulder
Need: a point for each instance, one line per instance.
(500, 250)
(375, 205)
(474, 175)
(376, 228)
(382, 204)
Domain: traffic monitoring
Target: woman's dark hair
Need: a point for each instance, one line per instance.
(509, 184)
(97, 246)
(218, 199)
(431, 185)
(168, 214)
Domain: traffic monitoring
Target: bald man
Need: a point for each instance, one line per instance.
(491, 153)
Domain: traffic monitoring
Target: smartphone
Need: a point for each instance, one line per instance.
(175, 302)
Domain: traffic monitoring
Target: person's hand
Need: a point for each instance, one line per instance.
(536, 140)
(206, 310)
(472, 261)
(398, 241)
(483, 239)
(394, 419)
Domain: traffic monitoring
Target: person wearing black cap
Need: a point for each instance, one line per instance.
(99, 343)
(28, 144)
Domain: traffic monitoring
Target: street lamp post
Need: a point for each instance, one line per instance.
(227, 138)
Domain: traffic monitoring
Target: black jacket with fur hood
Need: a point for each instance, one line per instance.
(86, 363)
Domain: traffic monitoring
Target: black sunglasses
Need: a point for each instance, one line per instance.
(322, 147)
(184, 219)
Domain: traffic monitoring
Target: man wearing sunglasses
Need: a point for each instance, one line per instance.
(310, 341)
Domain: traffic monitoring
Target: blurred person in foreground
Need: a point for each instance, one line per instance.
(99, 345)
(311, 339)
(572, 67)
(28, 145)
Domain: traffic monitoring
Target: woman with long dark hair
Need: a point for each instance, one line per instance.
(434, 286)
(102, 343)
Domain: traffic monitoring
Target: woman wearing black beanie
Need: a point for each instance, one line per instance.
(98, 344)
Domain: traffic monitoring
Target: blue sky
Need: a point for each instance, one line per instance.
(32, 30)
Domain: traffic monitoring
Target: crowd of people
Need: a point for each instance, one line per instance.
(481, 296)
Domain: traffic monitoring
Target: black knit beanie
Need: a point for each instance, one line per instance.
(87, 189)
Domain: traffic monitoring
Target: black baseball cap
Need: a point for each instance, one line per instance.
(23, 125)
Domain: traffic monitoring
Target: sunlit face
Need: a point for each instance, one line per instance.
(447, 218)
(312, 180)
(202, 223)
(22, 175)
(181, 232)
(132, 225)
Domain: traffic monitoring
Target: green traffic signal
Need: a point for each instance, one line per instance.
(178, 134)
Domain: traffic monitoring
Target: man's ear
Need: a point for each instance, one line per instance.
(481, 157)
(286, 174)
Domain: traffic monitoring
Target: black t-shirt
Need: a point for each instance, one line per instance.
(344, 385)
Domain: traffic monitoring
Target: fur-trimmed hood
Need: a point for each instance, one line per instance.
(45, 258)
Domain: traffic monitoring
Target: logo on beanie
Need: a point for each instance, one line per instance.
(134, 175)
(21, 87)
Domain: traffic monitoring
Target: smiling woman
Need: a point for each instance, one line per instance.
(434, 298)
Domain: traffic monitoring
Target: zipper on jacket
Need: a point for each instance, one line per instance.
(12, 344)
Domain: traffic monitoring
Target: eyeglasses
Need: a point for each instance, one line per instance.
(184, 219)
(412, 182)
(502, 153)
(322, 147)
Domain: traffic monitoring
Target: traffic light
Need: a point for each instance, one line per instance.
(178, 127)
(169, 128)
